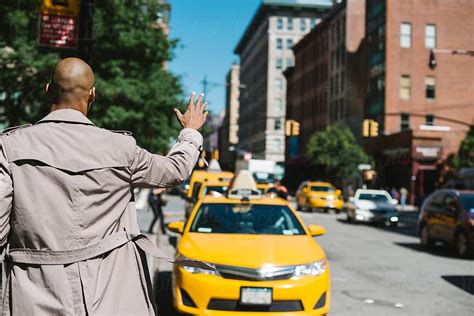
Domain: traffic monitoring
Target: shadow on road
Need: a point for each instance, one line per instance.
(464, 282)
(163, 294)
(437, 250)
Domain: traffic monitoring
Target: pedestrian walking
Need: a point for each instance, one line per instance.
(156, 202)
(403, 197)
(68, 223)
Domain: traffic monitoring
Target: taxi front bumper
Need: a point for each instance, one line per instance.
(202, 294)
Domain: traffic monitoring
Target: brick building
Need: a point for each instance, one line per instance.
(327, 84)
(422, 113)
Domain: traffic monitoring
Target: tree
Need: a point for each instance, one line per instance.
(336, 150)
(465, 156)
(134, 91)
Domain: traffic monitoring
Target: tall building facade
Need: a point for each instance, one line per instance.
(327, 85)
(265, 51)
(423, 113)
(229, 130)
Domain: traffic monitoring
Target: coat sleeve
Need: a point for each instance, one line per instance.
(6, 196)
(149, 170)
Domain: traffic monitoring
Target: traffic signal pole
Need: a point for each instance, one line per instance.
(86, 21)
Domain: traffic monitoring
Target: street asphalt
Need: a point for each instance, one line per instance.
(375, 270)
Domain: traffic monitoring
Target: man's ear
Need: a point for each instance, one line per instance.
(92, 95)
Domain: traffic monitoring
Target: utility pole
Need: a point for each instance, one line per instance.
(86, 20)
(204, 83)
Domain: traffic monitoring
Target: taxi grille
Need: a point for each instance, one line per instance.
(275, 306)
(262, 274)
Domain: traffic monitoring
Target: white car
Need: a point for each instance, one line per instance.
(376, 206)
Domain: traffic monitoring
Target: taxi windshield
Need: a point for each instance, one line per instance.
(319, 188)
(253, 219)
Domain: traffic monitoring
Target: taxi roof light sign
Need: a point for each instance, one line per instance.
(243, 187)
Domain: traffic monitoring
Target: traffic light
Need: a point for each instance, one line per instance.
(374, 128)
(288, 127)
(292, 128)
(365, 128)
(295, 129)
(432, 62)
(370, 128)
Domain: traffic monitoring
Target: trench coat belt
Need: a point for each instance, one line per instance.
(63, 257)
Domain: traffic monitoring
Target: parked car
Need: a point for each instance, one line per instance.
(319, 196)
(375, 206)
(448, 216)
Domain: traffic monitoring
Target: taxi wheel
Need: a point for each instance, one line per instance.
(425, 238)
(462, 245)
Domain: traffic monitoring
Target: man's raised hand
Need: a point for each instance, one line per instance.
(195, 116)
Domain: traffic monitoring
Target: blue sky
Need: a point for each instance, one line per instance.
(208, 31)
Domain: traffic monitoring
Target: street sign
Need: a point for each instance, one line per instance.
(58, 23)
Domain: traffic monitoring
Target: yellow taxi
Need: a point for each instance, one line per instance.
(264, 257)
(319, 195)
(197, 178)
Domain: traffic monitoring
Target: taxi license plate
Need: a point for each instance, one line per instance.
(256, 295)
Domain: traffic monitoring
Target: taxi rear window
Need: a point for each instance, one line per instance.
(252, 219)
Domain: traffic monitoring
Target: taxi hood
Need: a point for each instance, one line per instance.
(251, 251)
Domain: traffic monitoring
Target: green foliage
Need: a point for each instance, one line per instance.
(134, 91)
(336, 150)
(465, 156)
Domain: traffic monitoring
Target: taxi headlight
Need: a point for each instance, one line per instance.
(315, 268)
(330, 197)
(194, 268)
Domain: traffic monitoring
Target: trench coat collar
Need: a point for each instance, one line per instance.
(66, 116)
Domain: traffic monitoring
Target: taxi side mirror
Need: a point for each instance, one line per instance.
(176, 227)
(338, 192)
(305, 189)
(316, 230)
(394, 202)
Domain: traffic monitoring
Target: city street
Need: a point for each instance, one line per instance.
(374, 270)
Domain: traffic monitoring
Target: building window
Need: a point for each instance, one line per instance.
(279, 63)
(405, 87)
(280, 24)
(279, 85)
(289, 43)
(312, 23)
(430, 36)
(429, 119)
(289, 62)
(278, 105)
(430, 88)
(279, 43)
(405, 35)
(289, 24)
(302, 24)
(404, 121)
(277, 124)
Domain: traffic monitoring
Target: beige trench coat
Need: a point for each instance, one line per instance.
(66, 184)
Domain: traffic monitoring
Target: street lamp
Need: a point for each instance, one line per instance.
(432, 59)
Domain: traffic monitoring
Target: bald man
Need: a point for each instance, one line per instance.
(68, 223)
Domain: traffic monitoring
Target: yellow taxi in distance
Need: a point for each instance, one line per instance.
(264, 256)
(318, 195)
(199, 177)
